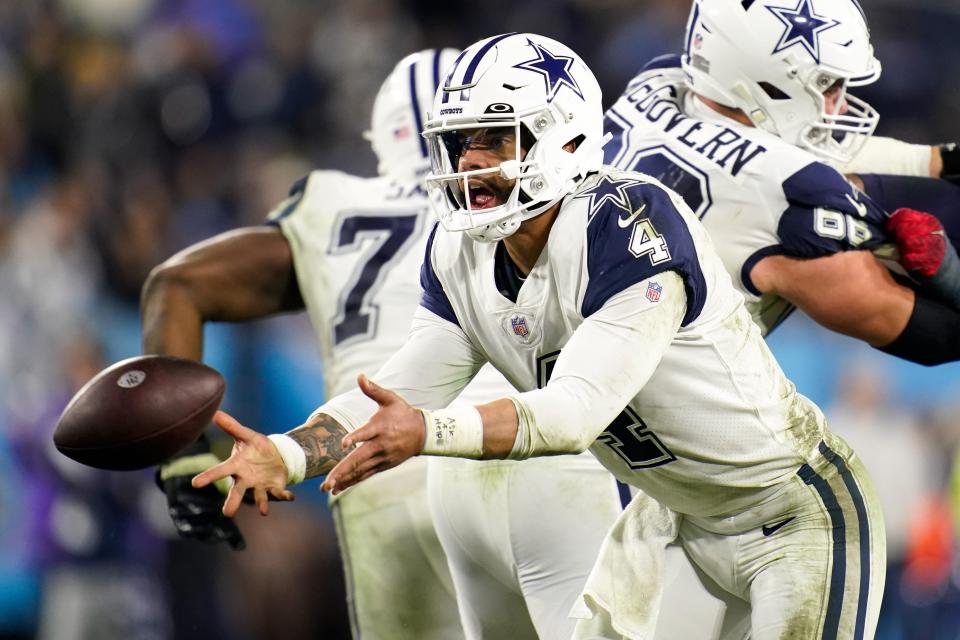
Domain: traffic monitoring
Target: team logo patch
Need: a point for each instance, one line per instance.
(519, 325)
(653, 292)
(698, 41)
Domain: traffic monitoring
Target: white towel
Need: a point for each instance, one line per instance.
(622, 595)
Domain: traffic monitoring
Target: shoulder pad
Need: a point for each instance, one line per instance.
(634, 232)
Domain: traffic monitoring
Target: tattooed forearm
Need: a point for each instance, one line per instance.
(321, 443)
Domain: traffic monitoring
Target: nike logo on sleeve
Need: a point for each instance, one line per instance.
(626, 222)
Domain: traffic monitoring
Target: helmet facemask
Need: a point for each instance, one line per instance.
(830, 134)
(536, 184)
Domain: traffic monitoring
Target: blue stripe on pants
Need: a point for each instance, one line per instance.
(839, 529)
(861, 508)
(838, 526)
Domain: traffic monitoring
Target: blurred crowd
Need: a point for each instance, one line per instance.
(130, 129)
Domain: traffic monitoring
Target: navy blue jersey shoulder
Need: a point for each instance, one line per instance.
(434, 297)
(666, 61)
(298, 187)
(628, 245)
(294, 196)
(827, 215)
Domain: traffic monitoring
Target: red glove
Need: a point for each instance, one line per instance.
(921, 241)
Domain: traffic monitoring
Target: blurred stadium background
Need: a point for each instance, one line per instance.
(130, 129)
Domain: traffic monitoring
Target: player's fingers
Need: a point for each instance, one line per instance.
(366, 433)
(372, 472)
(375, 392)
(233, 428)
(349, 470)
(281, 494)
(223, 470)
(234, 498)
(263, 503)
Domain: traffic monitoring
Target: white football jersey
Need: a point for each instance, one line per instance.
(357, 246)
(718, 423)
(756, 194)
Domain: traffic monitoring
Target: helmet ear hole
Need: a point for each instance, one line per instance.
(576, 142)
(773, 92)
(527, 139)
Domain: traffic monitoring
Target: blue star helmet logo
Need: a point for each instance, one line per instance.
(608, 189)
(554, 69)
(803, 27)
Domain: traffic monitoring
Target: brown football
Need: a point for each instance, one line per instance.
(139, 412)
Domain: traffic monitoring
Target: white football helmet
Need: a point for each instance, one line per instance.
(548, 96)
(773, 60)
(400, 109)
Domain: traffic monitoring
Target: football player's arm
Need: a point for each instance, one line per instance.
(852, 293)
(431, 368)
(895, 157)
(603, 366)
(239, 275)
(607, 360)
(235, 276)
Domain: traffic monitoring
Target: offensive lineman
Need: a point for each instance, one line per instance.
(349, 249)
(743, 126)
(597, 293)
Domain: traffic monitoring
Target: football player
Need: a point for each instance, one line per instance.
(744, 125)
(348, 249)
(599, 295)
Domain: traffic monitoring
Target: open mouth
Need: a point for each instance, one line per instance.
(481, 197)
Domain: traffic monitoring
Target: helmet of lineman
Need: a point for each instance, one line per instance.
(539, 91)
(775, 59)
(400, 109)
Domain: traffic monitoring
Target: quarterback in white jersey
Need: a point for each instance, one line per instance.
(598, 294)
(357, 245)
(351, 248)
(747, 126)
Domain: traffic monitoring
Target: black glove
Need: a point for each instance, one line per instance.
(950, 154)
(197, 513)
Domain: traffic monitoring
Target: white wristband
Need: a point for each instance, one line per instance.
(456, 431)
(293, 456)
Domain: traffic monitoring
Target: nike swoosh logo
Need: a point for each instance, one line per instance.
(626, 222)
(859, 206)
(772, 529)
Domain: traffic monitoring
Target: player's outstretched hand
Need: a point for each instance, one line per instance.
(393, 434)
(254, 464)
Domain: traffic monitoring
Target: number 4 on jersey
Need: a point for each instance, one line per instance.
(627, 435)
(646, 241)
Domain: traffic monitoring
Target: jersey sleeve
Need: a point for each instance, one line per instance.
(434, 298)
(628, 245)
(607, 361)
(825, 214)
(665, 61)
(290, 204)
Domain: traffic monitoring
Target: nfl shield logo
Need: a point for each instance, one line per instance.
(519, 325)
(653, 292)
